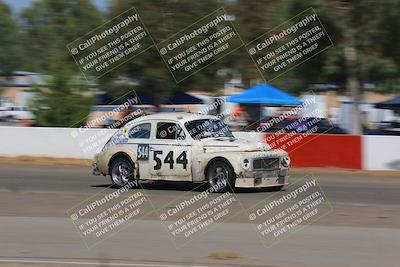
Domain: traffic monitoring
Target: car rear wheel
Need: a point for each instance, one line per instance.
(121, 172)
(220, 176)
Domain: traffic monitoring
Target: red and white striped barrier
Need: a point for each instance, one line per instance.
(368, 152)
(313, 150)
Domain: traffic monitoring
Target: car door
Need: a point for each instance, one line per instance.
(139, 138)
(170, 152)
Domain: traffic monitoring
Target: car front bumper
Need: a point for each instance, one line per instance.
(256, 179)
(95, 169)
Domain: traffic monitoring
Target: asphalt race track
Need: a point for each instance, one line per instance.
(36, 231)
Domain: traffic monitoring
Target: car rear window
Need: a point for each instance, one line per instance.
(141, 131)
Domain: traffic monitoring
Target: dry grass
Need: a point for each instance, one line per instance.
(224, 255)
(45, 161)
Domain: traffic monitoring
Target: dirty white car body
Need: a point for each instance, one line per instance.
(189, 147)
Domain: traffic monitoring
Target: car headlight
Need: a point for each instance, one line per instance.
(246, 164)
(285, 161)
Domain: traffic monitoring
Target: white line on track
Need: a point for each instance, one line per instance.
(97, 263)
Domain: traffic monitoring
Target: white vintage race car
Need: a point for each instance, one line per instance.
(189, 147)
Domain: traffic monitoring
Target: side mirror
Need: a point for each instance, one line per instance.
(207, 134)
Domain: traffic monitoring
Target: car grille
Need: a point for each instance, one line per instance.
(266, 164)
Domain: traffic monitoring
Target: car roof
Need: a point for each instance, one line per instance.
(174, 116)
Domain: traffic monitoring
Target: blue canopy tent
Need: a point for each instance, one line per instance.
(263, 95)
(266, 95)
(389, 104)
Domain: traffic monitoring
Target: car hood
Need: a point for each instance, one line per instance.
(232, 145)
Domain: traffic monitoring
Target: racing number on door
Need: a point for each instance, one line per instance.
(158, 160)
(169, 159)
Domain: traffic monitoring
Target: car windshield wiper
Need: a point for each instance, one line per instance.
(230, 137)
(216, 135)
(207, 135)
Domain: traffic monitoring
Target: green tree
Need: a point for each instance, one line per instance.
(162, 19)
(62, 103)
(11, 50)
(378, 39)
(51, 24)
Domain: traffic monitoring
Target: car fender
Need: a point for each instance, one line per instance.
(203, 160)
(104, 158)
(235, 159)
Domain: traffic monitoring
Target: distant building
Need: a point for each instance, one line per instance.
(18, 88)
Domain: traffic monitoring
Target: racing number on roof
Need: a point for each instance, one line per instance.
(169, 159)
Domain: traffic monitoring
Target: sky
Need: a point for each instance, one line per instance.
(18, 5)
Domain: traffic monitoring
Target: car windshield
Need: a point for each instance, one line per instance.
(204, 128)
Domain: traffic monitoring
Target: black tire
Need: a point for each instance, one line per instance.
(221, 176)
(121, 172)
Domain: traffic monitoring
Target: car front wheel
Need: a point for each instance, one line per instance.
(220, 176)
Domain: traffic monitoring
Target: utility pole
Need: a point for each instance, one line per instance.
(352, 82)
(350, 57)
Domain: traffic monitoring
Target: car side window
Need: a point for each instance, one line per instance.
(141, 131)
(169, 130)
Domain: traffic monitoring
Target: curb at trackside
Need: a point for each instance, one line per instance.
(87, 162)
(345, 171)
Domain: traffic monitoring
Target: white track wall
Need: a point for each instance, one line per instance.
(52, 142)
(381, 152)
(63, 142)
